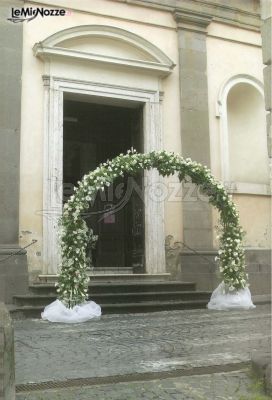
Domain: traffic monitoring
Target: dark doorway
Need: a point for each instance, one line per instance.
(92, 134)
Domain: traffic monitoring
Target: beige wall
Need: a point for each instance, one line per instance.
(255, 216)
(158, 29)
(230, 51)
(246, 120)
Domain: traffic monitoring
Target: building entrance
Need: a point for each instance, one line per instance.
(92, 134)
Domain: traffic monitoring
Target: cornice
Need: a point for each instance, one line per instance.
(47, 53)
(52, 47)
(192, 21)
(219, 12)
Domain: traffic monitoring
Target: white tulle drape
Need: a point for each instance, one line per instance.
(58, 312)
(224, 299)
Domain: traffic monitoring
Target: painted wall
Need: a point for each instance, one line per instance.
(255, 215)
(33, 111)
(247, 135)
(233, 51)
(230, 51)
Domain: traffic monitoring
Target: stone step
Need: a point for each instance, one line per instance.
(106, 276)
(117, 298)
(34, 311)
(120, 287)
(20, 312)
(111, 271)
(129, 277)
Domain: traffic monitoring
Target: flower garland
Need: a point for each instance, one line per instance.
(75, 235)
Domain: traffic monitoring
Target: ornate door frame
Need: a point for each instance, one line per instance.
(54, 89)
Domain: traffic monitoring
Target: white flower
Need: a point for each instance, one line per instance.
(230, 252)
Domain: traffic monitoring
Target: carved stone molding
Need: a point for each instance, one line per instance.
(151, 59)
(136, 54)
(53, 151)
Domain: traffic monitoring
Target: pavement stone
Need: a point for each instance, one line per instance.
(138, 343)
(261, 364)
(117, 345)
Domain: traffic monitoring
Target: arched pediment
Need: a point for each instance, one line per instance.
(107, 45)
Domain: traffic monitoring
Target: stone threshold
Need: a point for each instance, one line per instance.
(261, 299)
(53, 277)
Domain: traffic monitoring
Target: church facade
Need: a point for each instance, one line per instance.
(85, 81)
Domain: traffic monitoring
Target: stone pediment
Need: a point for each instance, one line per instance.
(106, 45)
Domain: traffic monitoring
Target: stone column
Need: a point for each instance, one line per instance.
(13, 271)
(7, 364)
(154, 207)
(266, 30)
(197, 215)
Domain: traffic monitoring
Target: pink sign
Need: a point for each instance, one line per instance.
(109, 218)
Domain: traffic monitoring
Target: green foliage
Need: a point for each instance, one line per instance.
(256, 389)
(256, 397)
(74, 234)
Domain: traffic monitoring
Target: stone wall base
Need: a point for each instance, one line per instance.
(187, 266)
(13, 273)
(7, 364)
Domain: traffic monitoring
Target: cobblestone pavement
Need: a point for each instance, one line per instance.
(139, 343)
(224, 386)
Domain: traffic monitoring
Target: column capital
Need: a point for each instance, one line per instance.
(192, 21)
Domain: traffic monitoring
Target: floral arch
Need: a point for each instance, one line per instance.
(75, 236)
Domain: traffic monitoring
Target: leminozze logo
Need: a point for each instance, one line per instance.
(29, 13)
